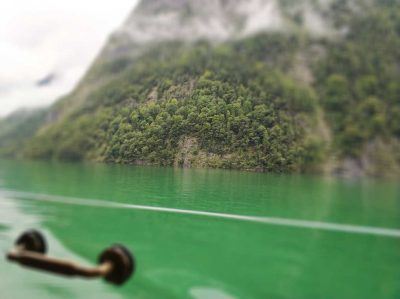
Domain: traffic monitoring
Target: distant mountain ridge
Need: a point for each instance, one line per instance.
(266, 85)
(219, 20)
(18, 127)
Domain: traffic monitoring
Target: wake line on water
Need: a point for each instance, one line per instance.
(346, 228)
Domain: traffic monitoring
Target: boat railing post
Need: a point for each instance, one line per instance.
(116, 263)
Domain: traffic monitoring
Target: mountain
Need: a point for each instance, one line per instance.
(267, 85)
(17, 128)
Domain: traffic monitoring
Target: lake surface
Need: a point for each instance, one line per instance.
(260, 236)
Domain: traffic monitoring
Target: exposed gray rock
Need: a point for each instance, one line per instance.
(155, 21)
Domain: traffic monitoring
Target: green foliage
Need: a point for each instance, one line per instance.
(233, 100)
(359, 78)
(17, 128)
(237, 104)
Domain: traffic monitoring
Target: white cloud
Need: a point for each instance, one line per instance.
(42, 37)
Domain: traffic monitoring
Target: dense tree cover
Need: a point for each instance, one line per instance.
(233, 102)
(239, 104)
(359, 79)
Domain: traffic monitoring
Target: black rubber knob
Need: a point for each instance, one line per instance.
(123, 263)
(32, 240)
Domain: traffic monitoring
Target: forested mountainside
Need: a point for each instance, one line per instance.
(19, 127)
(277, 86)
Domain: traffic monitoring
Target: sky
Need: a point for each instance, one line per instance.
(48, 38)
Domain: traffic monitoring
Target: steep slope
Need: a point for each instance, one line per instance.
(268, 85)
(358, 86)
(18, 128)
(158, 21)
(209, 102)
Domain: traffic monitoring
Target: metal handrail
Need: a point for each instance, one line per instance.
(116, 263)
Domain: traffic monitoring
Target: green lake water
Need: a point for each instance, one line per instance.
(186, 255)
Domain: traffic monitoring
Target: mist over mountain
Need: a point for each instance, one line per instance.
(19, 126)
(267, 85)
(221, 20)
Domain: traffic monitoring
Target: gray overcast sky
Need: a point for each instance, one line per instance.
(38, 38)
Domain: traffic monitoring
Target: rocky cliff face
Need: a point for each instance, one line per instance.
(269, 85)
(155, 21)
